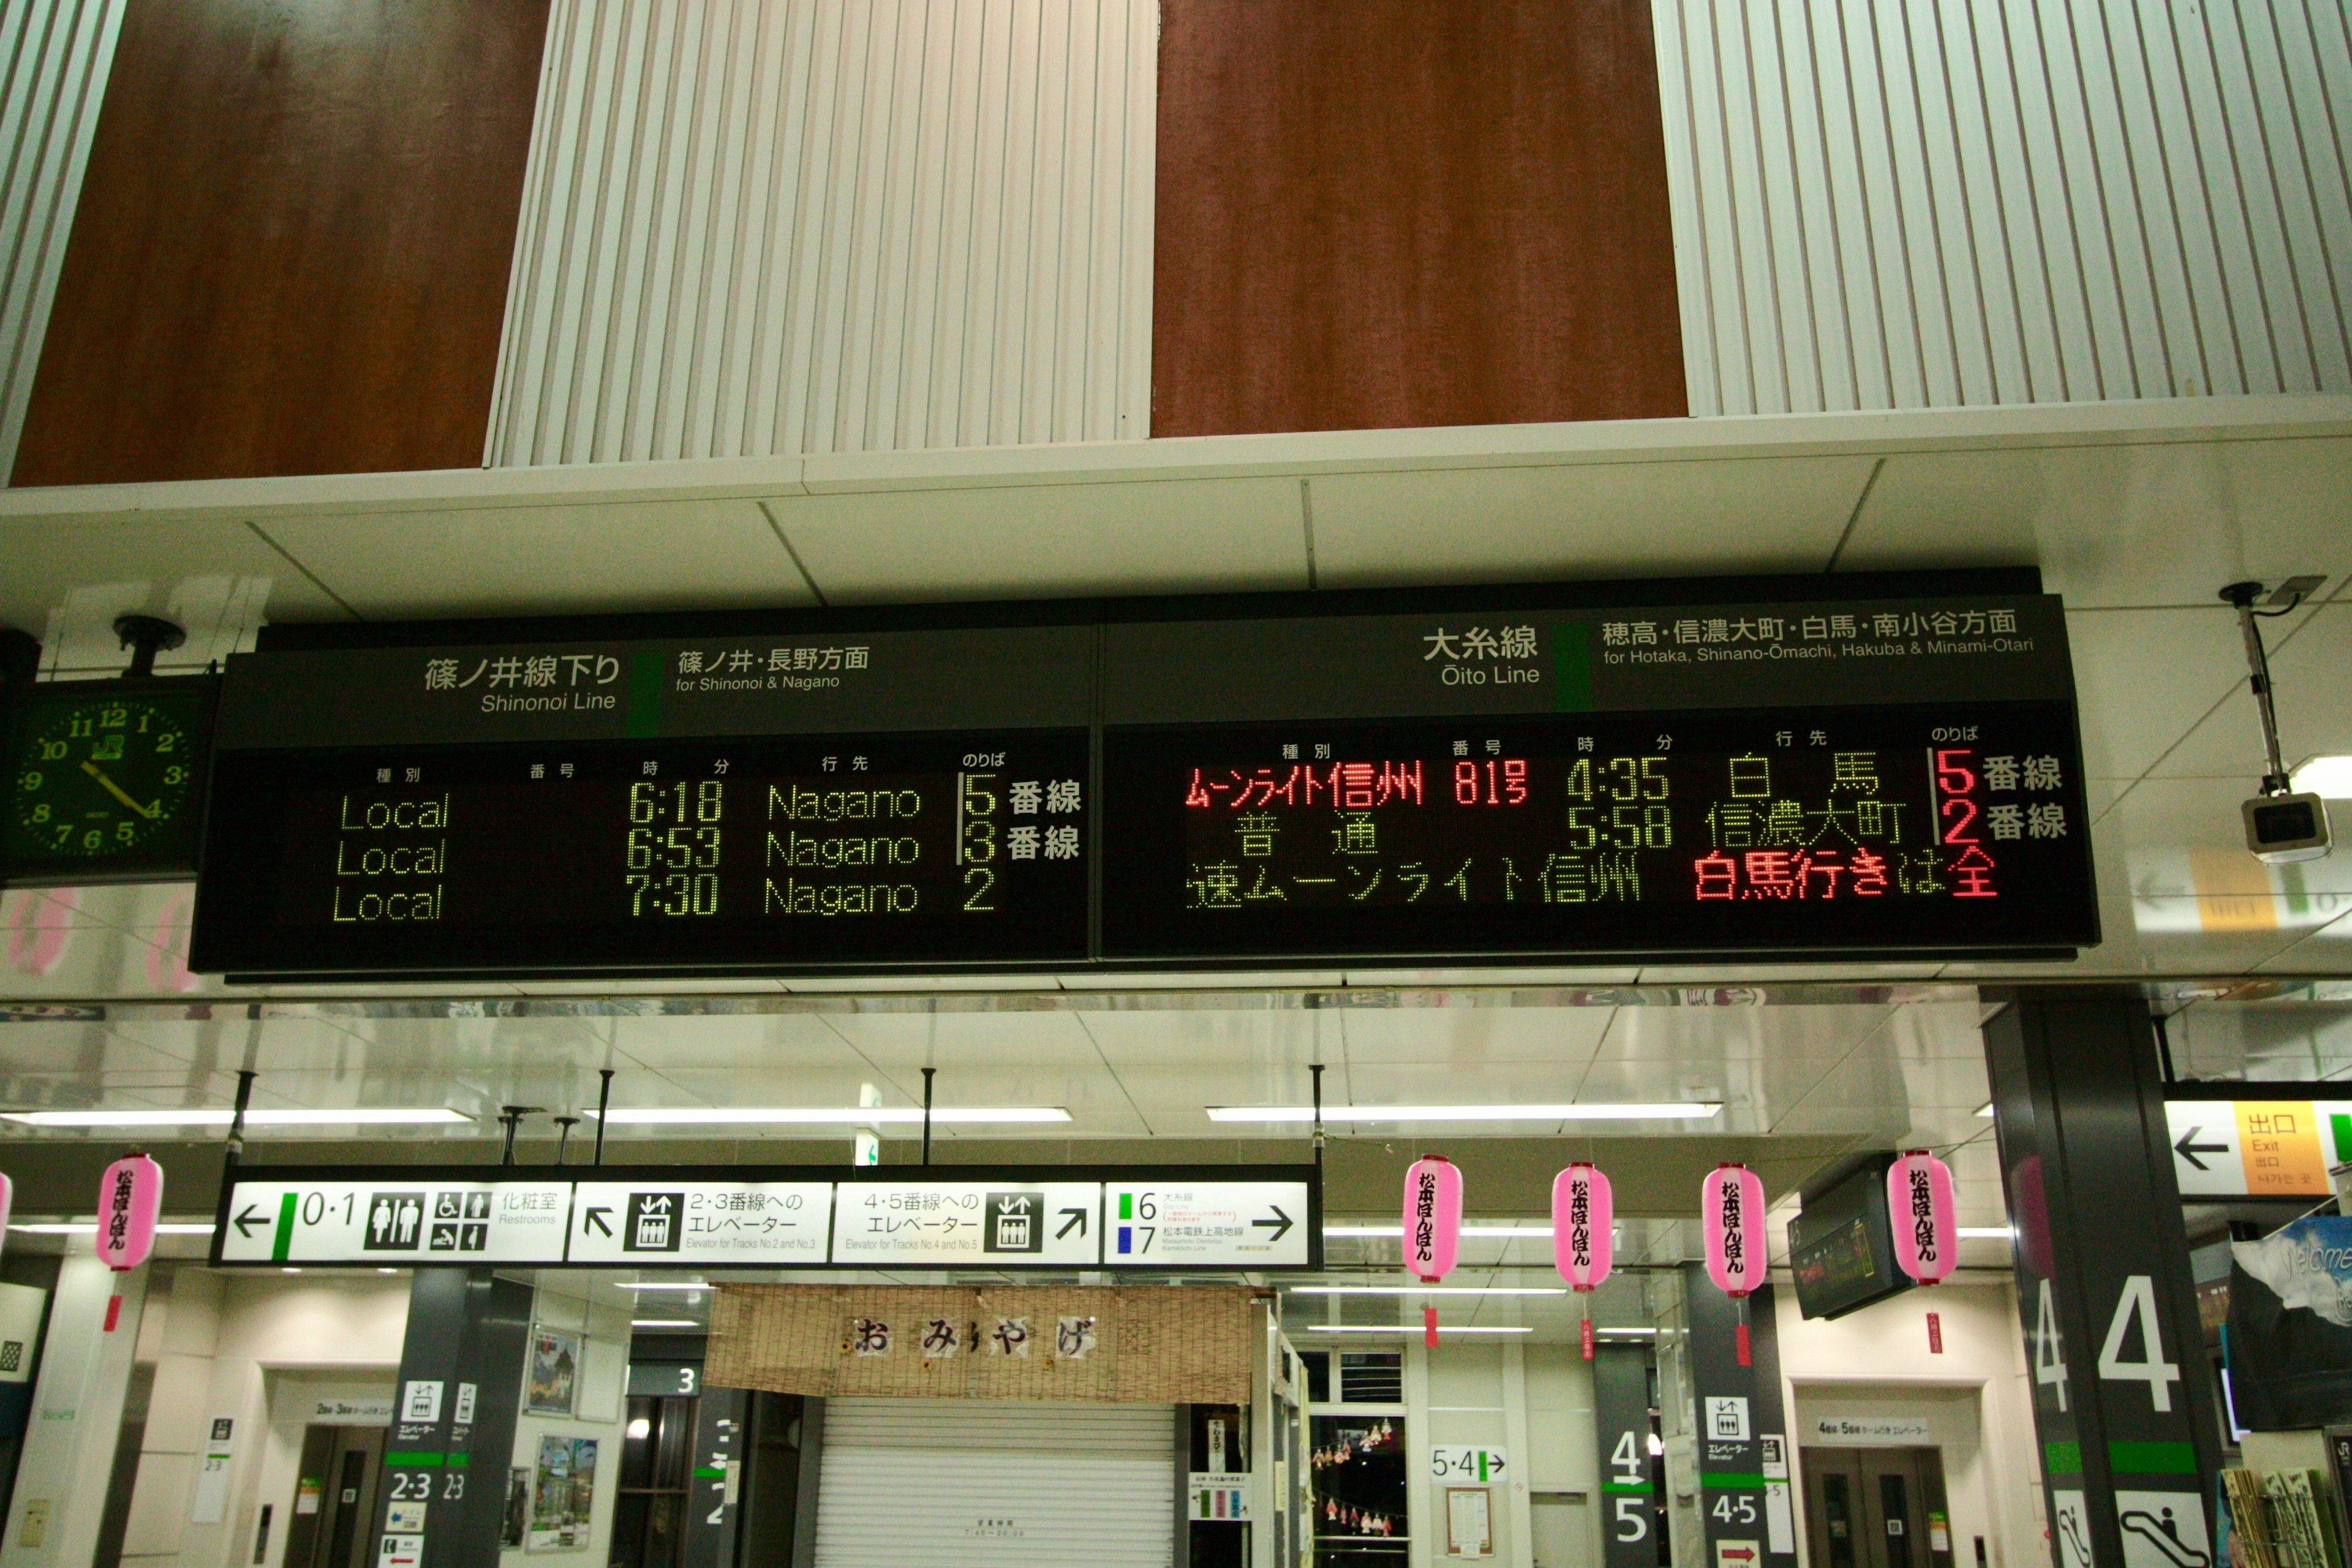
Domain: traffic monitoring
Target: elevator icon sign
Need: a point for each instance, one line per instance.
(1017, 1223)
(655, 1224)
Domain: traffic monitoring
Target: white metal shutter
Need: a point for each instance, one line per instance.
(975, 1483)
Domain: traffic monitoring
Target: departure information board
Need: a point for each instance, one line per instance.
(1744, 830)
(844, 848)
(1507, 774)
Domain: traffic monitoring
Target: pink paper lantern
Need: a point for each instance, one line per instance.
(1432, 1218)
(1731, 1205)
(1920, 1204)
(1583, 1218)
(7, 1204)
(129, 1199)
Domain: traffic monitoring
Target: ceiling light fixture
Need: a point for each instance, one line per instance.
(664, 1323)
(1441, 1328)
(89, 1228)
(213, 1116)
(824, 1115)
(1396, 1232)
(1984, 1233)
(1985, 1110)
(1677, 1110)
(663, 1285)
(2328, 777)
(1426, 1291)
(1599, 1332)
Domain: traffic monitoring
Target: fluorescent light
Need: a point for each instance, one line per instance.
(1426, 1291)
(1602, 1333)
(1983, 1233)
(1690, 1110)
(665, 1323)
(89, 1228)
(1441, 1328)
(1396, 1232)
(661, 1284)
(213, 1116)
(2330, 777)
(826, 1115)
(1985, 1110)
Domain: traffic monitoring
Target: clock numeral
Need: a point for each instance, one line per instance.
(93, 839)
(65, 831)
(30, 781)
(79, 730)
(126, 832)
(174, 773)
(113, 718)
(53, 751)
(41, 812)
(165, 742)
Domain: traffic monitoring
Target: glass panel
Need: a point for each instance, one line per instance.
(1358, 1505)
(1894, 1506)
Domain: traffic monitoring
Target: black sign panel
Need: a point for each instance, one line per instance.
(1895, 775)
(1620, 1419)
(1944, 827)
(790, 852)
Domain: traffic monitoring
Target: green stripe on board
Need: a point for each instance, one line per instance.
(456, 1461)
(2062, 1458)
(1642, 1487)
(413, 1458)
(2342, 1126)
(711, 1472)
(1734, 1480)
(2153, 1458)
(282, 1241)
(648, 677)
(1571, 668)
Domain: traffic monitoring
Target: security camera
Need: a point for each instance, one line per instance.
(2280, 825)
(2285, 828)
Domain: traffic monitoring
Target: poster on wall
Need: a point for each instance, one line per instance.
(2290, 1341)
(553, 1388)
(564, 1495)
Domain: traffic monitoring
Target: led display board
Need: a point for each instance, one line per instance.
(1516, 780)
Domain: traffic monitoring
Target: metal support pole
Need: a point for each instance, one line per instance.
(1316, 1070)
(563, 1137)
(927, 1113)
(603, 1103)
(237, 1119)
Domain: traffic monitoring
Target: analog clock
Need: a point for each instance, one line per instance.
(104, 779)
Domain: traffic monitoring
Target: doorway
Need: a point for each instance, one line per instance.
(334, 1497)
(1876, 1508)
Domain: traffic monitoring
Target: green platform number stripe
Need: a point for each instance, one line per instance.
(2062, 1458)
(1731, 1480)
(415, 1458)
(2152, 1459)
(711, 1472)
(2341, 1125)
(1641, 1487)
(281, 1240)
(1127, 1206)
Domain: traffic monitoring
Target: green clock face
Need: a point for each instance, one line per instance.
(100, 779)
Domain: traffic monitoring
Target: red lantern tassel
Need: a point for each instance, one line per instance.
(113, 1313)
(1429, 1327)
(1740, 1342)
(1587, 1337)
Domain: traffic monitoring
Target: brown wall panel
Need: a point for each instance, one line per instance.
(291, 251)
(1390, 212)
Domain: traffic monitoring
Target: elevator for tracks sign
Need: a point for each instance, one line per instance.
(1237, 1217)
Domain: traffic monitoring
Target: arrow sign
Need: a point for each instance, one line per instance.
(247, 1220)
(2189, 1148)
(596, 1220)
(1077, 1222)
(1280, 1223)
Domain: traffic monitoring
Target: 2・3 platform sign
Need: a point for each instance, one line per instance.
(1025, 1218)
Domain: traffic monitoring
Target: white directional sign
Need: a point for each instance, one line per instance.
(1030, 1217)
(700, 1222)
(395, 1220)
(2258, 1148)
(885, 1224)
(1215, 1225)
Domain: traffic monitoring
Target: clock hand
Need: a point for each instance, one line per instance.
(116, 791)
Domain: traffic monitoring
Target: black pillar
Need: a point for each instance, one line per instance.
(453, 1421)
(1744, 1474)
(2130, 1443)
(1621, 1416)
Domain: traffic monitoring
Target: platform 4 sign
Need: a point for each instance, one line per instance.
(1245, 1217)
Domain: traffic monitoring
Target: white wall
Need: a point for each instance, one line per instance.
(763, 226)
(1900, 203)
(1975, 1396)
(54, 59)
(602, 1383)
(1563, 1454)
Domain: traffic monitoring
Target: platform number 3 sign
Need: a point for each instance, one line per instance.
(2134, 1307)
